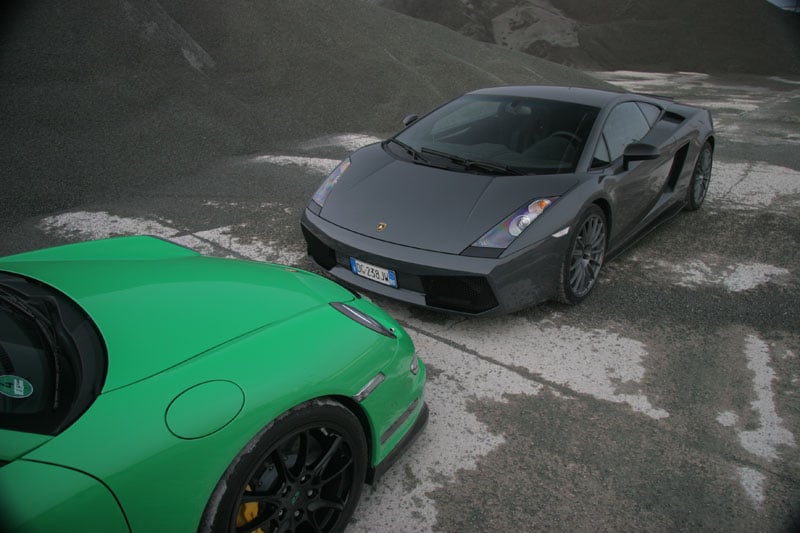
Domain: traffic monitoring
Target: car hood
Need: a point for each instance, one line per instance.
(158, 304)
(426, 207)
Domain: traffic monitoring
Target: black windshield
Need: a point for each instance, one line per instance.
(522, 135)
(52, 359)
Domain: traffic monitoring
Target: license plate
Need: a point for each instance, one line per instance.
(381, 275)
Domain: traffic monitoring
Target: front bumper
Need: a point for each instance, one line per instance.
(441, 281)
(408, 439)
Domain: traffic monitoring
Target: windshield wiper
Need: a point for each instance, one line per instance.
(451, 157)
(494, 167)
(487, 166)
(13, 303)
(415, 155)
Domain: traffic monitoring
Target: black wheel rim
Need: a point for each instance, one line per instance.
(587, 256)
(702, 176)
(302, 484)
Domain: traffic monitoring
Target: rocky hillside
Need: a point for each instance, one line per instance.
(742, 36)
(142, 90)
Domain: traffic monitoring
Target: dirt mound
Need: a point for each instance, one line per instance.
(741, 36)
(110, 94)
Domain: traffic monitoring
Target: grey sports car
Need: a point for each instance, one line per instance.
(509, 196)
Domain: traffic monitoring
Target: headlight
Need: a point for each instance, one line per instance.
(325, 189)
(363, 319)
(509, 229)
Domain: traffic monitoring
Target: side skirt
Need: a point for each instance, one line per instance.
(667, 215)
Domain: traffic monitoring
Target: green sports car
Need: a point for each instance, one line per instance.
(146, 387)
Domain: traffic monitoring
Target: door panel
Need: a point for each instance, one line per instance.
(634, 190)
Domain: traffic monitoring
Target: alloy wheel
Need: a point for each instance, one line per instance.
(587, 255)
(302, 484)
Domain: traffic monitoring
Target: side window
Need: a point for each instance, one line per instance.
(625, 125)
(601, 157)
(650, 111)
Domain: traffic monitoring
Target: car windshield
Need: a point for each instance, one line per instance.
(52, 360)
(493, 133)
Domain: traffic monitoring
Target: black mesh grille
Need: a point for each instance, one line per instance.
(466, 294)
(319, 251)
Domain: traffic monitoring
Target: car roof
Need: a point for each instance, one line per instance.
(578, 95)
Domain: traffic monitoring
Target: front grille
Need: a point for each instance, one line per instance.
(465, 294)
(462, 294)
(319, 251)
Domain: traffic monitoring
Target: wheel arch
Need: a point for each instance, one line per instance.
(351, 405)
(359, 412)
(215, 499)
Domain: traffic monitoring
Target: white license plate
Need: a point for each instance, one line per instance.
(381, 275)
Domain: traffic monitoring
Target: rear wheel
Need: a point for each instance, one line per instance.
(584, 258)
(701, 178)
(303, 472)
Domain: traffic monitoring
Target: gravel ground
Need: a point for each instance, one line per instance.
(103, 98)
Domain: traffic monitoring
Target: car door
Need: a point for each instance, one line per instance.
(634, 190)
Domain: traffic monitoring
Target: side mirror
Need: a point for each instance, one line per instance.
(639, 152)
(410, 119)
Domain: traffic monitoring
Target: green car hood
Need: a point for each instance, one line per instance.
(158, 304)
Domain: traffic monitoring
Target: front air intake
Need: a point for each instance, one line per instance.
(324, 255)
(464, 294)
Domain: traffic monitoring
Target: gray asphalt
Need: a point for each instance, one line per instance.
(668, 400)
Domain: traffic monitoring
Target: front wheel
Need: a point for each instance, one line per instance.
(584, 258)
(303, 472)
(701, 178)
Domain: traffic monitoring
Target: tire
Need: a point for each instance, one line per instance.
(701, 178)
(584, 258)
(303, 472)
